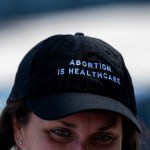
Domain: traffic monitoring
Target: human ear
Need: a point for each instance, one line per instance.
(19, 136)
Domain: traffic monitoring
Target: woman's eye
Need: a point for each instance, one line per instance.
(103, 138)
(61, 132)
(60, 135)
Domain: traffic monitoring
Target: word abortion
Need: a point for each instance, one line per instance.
(95, 70)
(94, 65)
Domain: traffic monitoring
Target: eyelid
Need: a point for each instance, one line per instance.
(107, 134)
(63, 130)
(56, 137)
(58, 131)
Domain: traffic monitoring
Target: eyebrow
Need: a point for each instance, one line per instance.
(113, 122)
(103, 128)
(106, 127)
(68, 124)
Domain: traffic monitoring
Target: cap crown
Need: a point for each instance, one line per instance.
(68, 63)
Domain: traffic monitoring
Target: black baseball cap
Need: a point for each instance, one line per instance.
(67, 74)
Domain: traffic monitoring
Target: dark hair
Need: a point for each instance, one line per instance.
(21, 112)
(17, 110)
(130, 136)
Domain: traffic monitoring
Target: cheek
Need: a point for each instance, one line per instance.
(35, 140)
(118, 145)
(44, 143)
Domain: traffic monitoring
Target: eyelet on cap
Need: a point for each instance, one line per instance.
(79, 33)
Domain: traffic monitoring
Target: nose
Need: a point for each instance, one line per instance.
(83, 146)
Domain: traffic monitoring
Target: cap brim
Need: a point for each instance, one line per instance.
(57, 106)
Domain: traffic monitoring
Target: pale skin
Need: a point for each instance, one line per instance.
(81, 131)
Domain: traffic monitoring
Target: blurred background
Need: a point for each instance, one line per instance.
(124, 24)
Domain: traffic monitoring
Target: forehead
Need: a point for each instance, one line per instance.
(95, 119)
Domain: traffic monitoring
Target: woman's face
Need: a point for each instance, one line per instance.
(82, 131)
